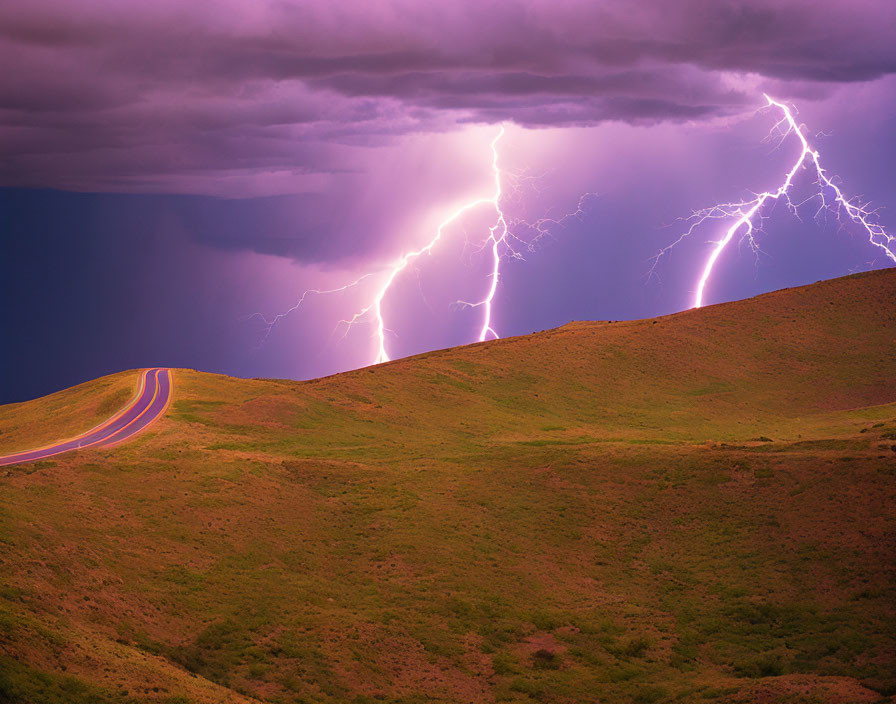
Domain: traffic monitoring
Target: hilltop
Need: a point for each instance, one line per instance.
(692, 507)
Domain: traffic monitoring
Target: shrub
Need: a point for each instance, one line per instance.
(636, 647)
(767, 665)
(545, 660)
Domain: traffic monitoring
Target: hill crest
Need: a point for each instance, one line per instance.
(691, 507)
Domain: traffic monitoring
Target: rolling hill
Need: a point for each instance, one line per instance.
(697, 507)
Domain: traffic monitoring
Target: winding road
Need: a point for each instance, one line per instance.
(147, 406)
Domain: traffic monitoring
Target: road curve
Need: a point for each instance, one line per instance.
(147, 406)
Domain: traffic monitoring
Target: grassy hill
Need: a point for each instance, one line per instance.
(693, 508)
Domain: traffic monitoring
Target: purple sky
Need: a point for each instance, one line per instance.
(238, 153)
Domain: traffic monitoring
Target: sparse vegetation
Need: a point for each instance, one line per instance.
(594, 513)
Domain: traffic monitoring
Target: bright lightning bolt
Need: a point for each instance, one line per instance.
(542, 227)
(497, 236)
(501, 243)
(375, 308)
(373, 311)
(746, 213)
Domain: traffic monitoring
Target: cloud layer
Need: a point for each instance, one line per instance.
(266, 97)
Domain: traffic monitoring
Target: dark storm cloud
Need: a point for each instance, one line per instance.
(182, 96)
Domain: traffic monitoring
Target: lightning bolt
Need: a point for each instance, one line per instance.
(501, 243)
(497, 235)
(747, 214)
(373, 311)
(501, 238)
(269, 323)
(544, 226)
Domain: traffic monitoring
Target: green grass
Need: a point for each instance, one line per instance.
(20, 682)
(594, 513)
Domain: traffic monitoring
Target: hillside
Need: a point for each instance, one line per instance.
(697, 507)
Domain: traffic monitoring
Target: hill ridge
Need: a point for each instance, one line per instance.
(696, 507)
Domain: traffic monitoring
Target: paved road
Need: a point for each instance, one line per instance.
(149, 404)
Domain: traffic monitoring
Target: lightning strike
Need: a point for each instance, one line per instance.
(375, 308)
(270, 323)
(497, 236)
(747, 214)
(373, 311)
(544, 226)
(501, 243)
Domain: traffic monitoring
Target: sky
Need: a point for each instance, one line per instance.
(174, 174)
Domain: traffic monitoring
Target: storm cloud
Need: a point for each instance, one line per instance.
(256, 98)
